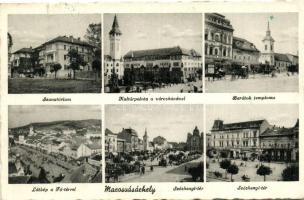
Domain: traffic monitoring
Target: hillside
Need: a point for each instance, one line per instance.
(57, 125)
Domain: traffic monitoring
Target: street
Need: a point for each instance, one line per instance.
(164, 174)
(255, 83)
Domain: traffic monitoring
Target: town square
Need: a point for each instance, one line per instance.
(143, 146)
(252, 52)
(256, 146)
(153, 53)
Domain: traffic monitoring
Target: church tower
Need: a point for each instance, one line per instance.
(267, 56)
(115, 34)
(146, 141)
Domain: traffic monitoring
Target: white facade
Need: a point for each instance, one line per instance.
(267, 54)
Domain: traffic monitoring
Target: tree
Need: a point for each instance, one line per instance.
(224, 164)
(93, 34)
(264, 171)
(9, 41)
(96, 64)
(55, 67)
(291, 173)
(75, 60)
(233, 169)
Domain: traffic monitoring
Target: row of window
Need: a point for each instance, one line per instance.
(223, 38)
(237, 144)
(244, 134)
(214, 51)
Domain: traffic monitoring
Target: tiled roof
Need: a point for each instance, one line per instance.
(242, 44)
(24, 50)
(172, 51)
(277, 131)
(70, 40)
(281, 57)
(94, 146)
(109, 132)
(240, 125)
(82, 174)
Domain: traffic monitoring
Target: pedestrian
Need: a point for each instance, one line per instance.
(151, 168)
(143, 169)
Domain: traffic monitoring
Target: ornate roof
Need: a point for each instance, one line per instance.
(238, 125)
(245, 45)
(171, 51)
(115, 27)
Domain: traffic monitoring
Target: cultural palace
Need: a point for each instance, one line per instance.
(164, 65)
(254, 139)
(226, 51)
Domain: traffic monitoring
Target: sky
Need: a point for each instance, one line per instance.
(23, 115)
(173, 122)
(149, 31)
(253, 26)
(34, 29)
(276, 114)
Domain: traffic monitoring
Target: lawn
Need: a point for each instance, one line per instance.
(29, 85)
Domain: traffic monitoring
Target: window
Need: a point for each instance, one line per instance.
(271, 47)
(117, 64)
(64, 46)
(215, 52)
(65, 57)
(266, 47)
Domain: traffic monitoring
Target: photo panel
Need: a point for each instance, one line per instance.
(47, 146)
(154, 143)
(54, 53)
(153, 53)
(252, 143)
(251, 52)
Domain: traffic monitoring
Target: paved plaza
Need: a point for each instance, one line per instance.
(255, 83)
(249, 169)
(163, 174)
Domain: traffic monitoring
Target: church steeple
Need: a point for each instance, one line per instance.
(115, 36)
(115, 27)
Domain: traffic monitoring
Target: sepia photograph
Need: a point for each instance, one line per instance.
(154, 143)
(54, 144)
(54, 53)
(251, 52)
(251, 143)
(153, 53)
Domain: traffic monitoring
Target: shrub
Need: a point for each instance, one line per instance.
(264, 171)
(218, 174)
(291, 173)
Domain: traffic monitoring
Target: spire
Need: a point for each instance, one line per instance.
(115, 27)
(268, 29)
(145, 133)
